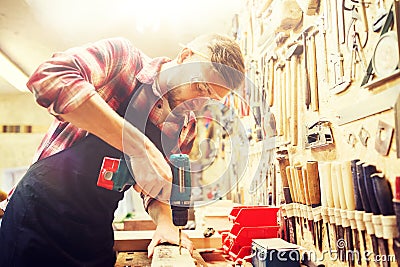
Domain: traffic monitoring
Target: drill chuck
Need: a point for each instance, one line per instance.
(179, 216)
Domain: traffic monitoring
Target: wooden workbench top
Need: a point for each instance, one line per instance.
(202, 258)
(139, 240)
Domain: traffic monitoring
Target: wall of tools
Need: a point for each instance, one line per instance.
(326, 79)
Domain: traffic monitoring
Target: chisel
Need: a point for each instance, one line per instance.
(313, 185)
(367, 171)
(304, 199)
(384, 198)
(336, 182)
(346, 201)
(396, 207)
(283, 160)
(299, 199)
(324, 169)
(367, 209)
(291, 206)
(348, 190)
(308, 208)
(359, 214)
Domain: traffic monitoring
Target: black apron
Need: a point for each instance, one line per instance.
(58, 216)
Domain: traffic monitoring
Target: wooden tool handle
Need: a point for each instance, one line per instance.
(287, 99)
(271, 78)
(281, 99)
(292, 186)
(313, 74)
(335, 25)
(300, 181)
(334, 186)
(337, 171)
(307, 89)
(324, 169)
(283, 163)
(313, 183)
(305, 184)
(293, 109)
(348, 186)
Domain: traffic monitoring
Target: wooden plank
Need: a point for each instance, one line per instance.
(139, 258)
(132, 258)
(167, 255)
(139, 224)
(139, 240)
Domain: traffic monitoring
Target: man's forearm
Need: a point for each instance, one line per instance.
(96, 117)
(160, 212)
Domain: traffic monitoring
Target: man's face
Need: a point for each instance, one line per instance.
(194, 96)
(191, 83)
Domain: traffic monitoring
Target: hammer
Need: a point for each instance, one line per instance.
(292, 53)
(307, 80)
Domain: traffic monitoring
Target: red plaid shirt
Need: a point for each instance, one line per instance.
(109, 68)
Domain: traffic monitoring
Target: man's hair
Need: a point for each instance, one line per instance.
(226, 57)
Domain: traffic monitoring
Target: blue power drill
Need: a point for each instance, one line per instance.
(115, 175)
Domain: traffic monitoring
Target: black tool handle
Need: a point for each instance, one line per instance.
(368, 170)
(361, 187)
(309, 263)
(357, 197)
(383, 192)
(286, 194)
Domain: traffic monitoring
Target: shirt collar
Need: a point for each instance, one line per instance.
(150, 71)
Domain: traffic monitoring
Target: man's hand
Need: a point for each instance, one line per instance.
(152, 173)
(167, 232)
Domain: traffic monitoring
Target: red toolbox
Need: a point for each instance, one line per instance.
(249, 222)
(254, 215)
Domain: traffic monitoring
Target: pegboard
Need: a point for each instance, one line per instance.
(344, 44)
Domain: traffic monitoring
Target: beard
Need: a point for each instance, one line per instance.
(172, 96)
(179, 108)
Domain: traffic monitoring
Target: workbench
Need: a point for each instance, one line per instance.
(210, 258)
(213, 258)
(131, 248)
(139, 240)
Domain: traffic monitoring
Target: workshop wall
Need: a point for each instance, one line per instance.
(308, 60)
(22, 126)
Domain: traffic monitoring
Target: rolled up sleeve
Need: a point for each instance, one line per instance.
(69, 78)
(147, 200)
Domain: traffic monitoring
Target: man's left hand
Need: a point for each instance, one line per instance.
(167, 232)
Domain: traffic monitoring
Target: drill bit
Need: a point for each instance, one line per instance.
(180, 240)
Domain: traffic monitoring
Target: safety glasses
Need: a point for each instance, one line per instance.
(195, 52)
